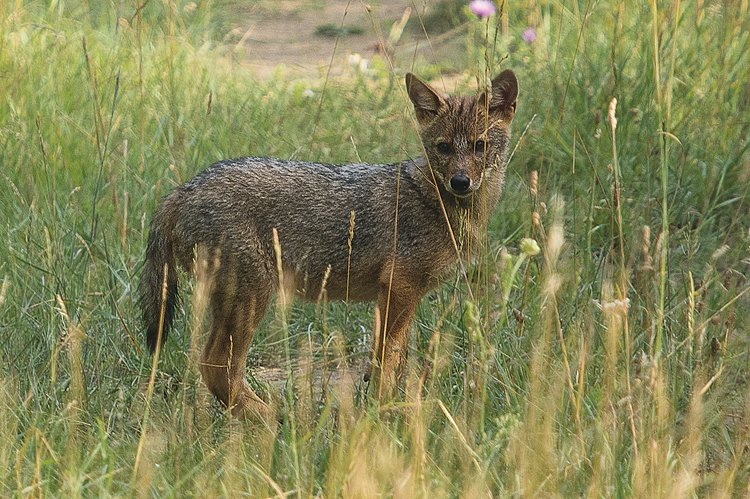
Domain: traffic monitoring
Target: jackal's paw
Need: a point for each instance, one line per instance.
(248, 406)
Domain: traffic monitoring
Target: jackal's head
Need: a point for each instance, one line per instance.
(465, 138)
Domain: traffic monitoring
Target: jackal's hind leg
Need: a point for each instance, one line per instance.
(237, 311)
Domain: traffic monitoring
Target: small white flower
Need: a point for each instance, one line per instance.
(354, 59)
(358, 62)
(614, 306)
(529, 247)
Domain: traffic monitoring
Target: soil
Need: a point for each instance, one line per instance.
(287, 33)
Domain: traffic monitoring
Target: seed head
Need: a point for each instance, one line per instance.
(611, 116)
(534, 182)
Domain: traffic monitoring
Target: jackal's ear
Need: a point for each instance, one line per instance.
(427, 102)
(502, 98)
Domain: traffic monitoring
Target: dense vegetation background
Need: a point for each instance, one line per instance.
(613, 363)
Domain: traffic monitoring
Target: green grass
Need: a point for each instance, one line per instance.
(613, 363)
(330, 30)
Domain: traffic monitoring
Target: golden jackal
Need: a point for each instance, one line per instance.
(409, 218)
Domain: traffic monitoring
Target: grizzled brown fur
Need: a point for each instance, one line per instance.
(411, 221)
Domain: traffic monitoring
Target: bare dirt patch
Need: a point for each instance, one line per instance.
(288, 33)
(284, 33)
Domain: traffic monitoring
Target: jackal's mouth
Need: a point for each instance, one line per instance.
(462, 195)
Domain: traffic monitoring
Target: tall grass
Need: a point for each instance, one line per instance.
(612, 363)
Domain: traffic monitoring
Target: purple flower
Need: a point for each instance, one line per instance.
(529, 35)
(482, 8)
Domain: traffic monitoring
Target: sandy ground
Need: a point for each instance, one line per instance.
(284, 33)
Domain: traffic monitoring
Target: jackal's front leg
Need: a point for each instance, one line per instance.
(395, 311)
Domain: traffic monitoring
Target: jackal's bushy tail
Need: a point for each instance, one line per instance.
(157, 292)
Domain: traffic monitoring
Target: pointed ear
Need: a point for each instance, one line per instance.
(427, 102)
(503, 94)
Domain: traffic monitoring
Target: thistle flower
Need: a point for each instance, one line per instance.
(529, 35)
(482, 8)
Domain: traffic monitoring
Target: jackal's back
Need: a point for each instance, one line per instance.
(318, 210)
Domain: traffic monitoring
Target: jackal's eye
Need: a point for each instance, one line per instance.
(479, 147)
(444, 148)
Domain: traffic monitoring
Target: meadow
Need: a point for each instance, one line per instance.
(615, 362)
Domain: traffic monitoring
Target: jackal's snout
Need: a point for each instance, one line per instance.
(460, 184)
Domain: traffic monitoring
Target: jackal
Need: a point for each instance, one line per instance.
(410, 221)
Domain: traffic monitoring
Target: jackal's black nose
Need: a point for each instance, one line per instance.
(460, 183)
